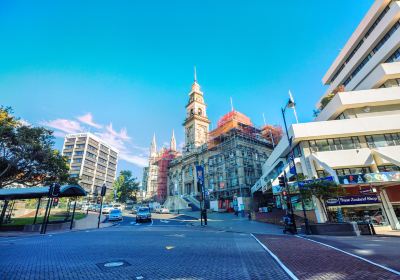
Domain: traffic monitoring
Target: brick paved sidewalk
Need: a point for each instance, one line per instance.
(309, 260)
(380, 249)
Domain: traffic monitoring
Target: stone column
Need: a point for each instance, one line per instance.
(391, 215)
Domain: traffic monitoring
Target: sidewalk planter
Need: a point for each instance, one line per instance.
(37, 227)
(334, 229)
(50, 226)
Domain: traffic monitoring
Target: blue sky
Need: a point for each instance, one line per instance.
(123, 69)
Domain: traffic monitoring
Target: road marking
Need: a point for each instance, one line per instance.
(353, 255)
(164, 221)
(139, 277)
(169, 247)
(284, 267)
(175, 235)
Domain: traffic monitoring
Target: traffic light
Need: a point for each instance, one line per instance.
(56, 190)
(103, 190)
(281, 180)
(55, 201)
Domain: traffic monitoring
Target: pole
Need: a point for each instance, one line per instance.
(45, 215)
(101, 206)
(289, 204)
(68, 210)
(3, 211)
(37, 210)
(204, 204)
(48, 216)
(201, 208)
(306, 224)
(73, 216)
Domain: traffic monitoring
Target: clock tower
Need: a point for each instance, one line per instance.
(196, 122)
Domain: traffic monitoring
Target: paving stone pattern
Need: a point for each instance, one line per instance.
(309, 260)
(152, 253)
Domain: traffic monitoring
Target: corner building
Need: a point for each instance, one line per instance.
(355, 139)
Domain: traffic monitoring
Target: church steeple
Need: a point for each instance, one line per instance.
(173, 142)
(195, 85)
(153, 148)
(196, 122)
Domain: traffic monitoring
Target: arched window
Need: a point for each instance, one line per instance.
(191, 112)
(200, 112)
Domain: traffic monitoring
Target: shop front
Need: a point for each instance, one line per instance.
(381, 192)
(357, 208)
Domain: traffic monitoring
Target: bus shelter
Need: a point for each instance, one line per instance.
(11, 194)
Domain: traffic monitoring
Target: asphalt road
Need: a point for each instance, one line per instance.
(167, 248)
(157, 220)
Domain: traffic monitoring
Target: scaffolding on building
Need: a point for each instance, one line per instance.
(166, 156)
(238, 151)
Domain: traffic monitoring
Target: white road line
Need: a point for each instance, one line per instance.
(284, 267)
(353, 255)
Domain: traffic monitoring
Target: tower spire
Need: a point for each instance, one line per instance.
(173, 142)
(153, 148)
(195, 86)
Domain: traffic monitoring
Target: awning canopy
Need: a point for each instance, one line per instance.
(39, 192)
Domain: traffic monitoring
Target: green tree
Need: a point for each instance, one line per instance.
(322, 191)
(27, 155)
(126, 186)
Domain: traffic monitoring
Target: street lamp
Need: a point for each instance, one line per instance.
(291, 104)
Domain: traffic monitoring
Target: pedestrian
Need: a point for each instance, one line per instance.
(288, 224)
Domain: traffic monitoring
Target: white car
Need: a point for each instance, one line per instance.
(115, 215)
(106, 209)
(85, 207)
(117, 206)
(162, 210)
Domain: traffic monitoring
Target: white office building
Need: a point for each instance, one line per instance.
(91, 160)
(355, 139)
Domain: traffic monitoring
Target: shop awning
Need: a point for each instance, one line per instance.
(39, 192)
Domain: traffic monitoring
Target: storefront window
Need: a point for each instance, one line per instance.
(363, 213)
(344, 143)
(322, 174)
(383, 140)
(352, 171)
(388, 168)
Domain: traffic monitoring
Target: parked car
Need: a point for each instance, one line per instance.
(117, 206)
(106, 209)
(97, 208)
(92, 207)
(115, 215)
(143, 214)
(85, 207)
(135, 209)
(162, 210)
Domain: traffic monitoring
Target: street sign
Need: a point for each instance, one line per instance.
(200, 174)
(292, 166)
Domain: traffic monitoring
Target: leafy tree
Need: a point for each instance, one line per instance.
(322, 191)
(26, 154)
(126, 186)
